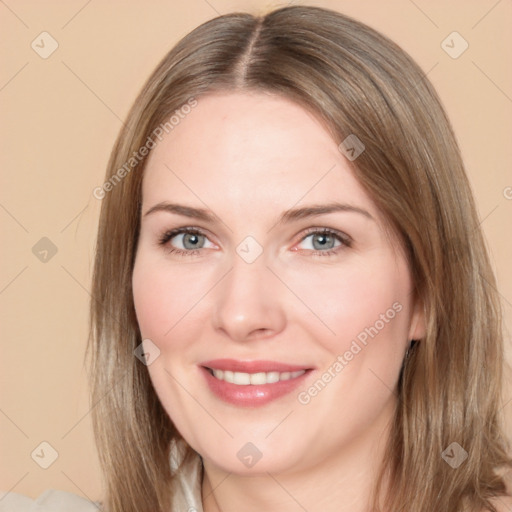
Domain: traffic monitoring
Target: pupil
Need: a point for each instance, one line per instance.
(323, 240)
(187, 239)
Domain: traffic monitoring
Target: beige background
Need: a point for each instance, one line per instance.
(60, 116)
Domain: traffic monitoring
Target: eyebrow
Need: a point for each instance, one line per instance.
(290, 215)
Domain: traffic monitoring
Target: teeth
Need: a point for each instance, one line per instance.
(244, 379)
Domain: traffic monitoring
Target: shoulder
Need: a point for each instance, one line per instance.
(49, 501)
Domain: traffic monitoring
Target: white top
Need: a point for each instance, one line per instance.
(187, 494)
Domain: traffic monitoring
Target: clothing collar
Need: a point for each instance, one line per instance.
(186, 487)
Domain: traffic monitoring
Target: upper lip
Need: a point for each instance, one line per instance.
(252, 366)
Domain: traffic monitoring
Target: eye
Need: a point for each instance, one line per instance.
(190, 240)
(325, 242)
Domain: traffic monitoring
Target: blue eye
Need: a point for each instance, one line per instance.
(192, 240)
(324, 241)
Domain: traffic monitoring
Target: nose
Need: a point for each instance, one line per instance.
(248, 302)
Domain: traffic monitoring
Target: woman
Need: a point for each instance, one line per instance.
(293, 305)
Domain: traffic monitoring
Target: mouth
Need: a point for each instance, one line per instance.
(252, 383)
(247, 379)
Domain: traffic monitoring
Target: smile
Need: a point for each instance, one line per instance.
(252, 383)
(246, 379)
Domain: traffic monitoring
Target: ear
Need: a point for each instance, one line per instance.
(417, 329)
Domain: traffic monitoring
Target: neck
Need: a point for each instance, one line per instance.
(342, 482)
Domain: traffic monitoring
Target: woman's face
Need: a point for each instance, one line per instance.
(278, 324)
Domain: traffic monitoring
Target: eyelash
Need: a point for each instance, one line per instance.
(346, 241)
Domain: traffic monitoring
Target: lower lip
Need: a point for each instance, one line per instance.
(251, 395)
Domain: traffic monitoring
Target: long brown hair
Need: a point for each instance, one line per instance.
(359, 83)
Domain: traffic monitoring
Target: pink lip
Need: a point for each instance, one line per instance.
(252, 366)
(251, 395)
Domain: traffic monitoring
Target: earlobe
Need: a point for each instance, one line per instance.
(417, 330)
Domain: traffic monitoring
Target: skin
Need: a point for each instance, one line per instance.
(247, 157)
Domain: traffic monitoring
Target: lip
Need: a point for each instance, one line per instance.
(251, 395)
(235, 365)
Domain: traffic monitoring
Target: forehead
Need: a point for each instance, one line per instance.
(249, 150)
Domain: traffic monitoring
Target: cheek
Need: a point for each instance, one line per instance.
(362, 301)
(163, 297)
(368, 309)
(166, 316)
(374, 329)
(152, 303)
